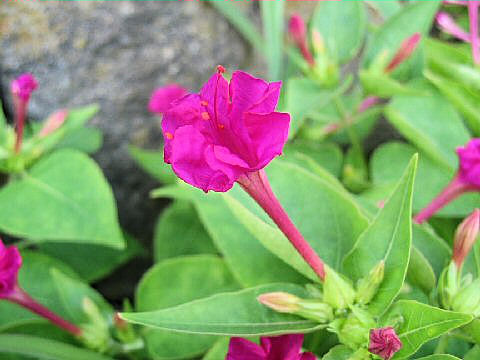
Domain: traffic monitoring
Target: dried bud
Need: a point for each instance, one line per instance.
(384, 342)
(465, 237)
(53, 122)
(280, 301)
(23, 86)
(368, 286)
(406, 49)
(337, 292)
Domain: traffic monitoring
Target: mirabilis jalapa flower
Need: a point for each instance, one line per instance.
(228, 133)
(10, 263)
(285, 347)
(467, 179)
(384, 342)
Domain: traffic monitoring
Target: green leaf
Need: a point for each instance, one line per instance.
(432, 247)
(473, 354)
(386, 164)
(420, 272)
(233, 314)
(86, 139)
(239, 20)
(65, 198)
(176, 281)
(272, 21)
(45, 349)
(415, 17)
(384, 86)
(92, 262)
(78, 117)
(412, 117)
(329, 19)
(339, 352)
(388, 238)
(35, 277)
(152, 162)
(385, 9)
(173, 238)
(440, 357)
(218, 350)
(420, 324)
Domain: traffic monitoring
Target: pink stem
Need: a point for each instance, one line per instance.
(20, 110)
(473, 15)
(455, 188)
(257, 186)
(20, 297)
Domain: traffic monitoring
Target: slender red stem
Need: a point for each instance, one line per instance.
(257, 186)
(473, 15)
(455, 188)
(20, 112)
(20, 297)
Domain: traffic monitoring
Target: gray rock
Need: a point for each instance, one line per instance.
(115, 54)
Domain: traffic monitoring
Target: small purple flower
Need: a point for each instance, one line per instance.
(23, 86)
(162, 98)
(384, 342)
(285, 347)
(225, 131)
(10, 263)
(469, 159)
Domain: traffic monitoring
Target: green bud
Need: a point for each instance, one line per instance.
(467, 300)
(337, 292)
(448, 285)
(354, 331)
(367, 287)
(307, 308)
(95, 333)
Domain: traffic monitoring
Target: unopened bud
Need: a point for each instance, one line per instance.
(95, 334)
(280, 301)
(467, 300)
(384, 342)
(367, 287)
(53, 122)
(448, 285)
(298, 32)
(353, 332)
(465, 237)
(23, 86)
(406, 49)
(318, 42)
(337, 292)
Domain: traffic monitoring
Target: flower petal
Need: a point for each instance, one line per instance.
(242, 349)
(162, 98)
(285, 347)
(215, 98)
(268, 133)
(188, 148)
(308, 356)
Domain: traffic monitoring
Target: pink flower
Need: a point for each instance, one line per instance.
(469, 163)
(465, 237)
(384, 342)
(298, 32)
(285, 347)
(163, 97)
(23, 86)
(448, 25)
(10, 263)
(406, 49)
(225, 131)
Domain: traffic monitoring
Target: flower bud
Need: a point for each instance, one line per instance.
(318, 42)
(465, 237)
(406, 49)
(23, 86)
(368, 286)
(298, 32)
(448, 285)
(337, 292)
(448, 25)
(53, 122)
(95, 334)
(467, 300)
(384, 342)
(353, 331)
(10, 263)
(307, 308)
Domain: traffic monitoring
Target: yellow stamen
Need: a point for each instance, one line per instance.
(221, 126)
(203, 103)
(169, 136)
(205, 116)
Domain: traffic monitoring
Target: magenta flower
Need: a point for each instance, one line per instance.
(10, 263)
(225, 131)
(285, 347)
(162, 98)
(298, 32)
(467, 179)
(384, 342)
(21, 88)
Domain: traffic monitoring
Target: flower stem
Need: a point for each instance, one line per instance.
(257, 186)
(20, 297)
(473, 15)
(455, 188)
(20, 112)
